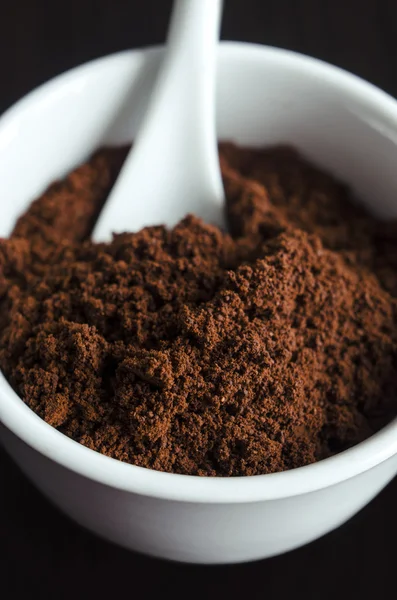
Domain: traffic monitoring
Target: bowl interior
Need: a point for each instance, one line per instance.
(264, 96)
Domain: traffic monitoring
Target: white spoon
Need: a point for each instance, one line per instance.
(173, 167)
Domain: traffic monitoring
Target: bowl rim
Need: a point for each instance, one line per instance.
(36, 433)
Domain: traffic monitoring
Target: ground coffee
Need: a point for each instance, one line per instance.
(197, 352)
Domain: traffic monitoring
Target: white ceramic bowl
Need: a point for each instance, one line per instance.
(264, 96)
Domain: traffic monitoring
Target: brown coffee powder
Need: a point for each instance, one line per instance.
(196, 352)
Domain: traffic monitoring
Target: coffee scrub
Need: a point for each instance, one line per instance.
(195, 351)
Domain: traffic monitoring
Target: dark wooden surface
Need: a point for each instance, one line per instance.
(43, 554)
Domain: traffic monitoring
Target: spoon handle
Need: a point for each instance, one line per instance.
(173, 168)
(192, 36)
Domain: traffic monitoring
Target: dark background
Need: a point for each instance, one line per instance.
(43, 554)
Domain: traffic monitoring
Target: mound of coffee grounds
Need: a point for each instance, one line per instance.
(199, 352)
